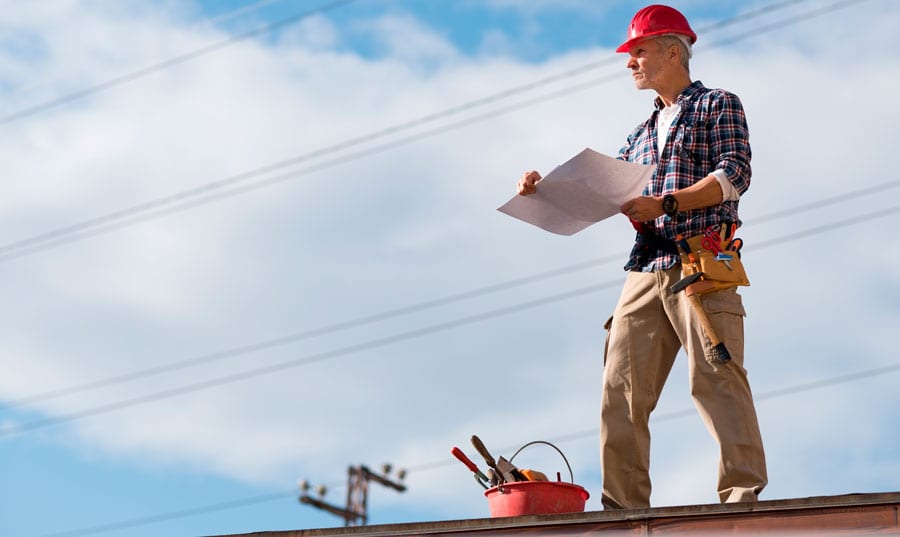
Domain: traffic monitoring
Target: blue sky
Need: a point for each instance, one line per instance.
(396, 222)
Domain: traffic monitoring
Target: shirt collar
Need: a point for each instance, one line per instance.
(685, 96)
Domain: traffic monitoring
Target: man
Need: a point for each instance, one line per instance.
(698, 139)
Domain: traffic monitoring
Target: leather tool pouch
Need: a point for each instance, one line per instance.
(716, 274)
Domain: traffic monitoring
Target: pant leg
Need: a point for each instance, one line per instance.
(640, 352)
(722, 393)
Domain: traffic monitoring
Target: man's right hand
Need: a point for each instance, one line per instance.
(528, 183)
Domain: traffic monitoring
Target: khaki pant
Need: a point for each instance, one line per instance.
(649, 326)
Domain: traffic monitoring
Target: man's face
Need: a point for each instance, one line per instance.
(646, 61)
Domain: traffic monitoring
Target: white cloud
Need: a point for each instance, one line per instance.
(406, 39)
(538, 6)
(314, 33)
(407, 225)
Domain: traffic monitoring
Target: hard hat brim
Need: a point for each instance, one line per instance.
(626, 46)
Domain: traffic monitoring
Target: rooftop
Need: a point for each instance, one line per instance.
(849, 514)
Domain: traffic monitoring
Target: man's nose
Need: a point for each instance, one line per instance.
(632, 63)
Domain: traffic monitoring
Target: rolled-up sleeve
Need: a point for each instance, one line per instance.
(730, 140)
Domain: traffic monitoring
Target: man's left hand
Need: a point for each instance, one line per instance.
(643, 209)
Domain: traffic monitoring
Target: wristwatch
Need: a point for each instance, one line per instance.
(670, 205)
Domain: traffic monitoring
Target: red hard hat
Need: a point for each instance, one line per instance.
(656, 20)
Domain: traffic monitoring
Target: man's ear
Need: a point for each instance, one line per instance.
(674, 52)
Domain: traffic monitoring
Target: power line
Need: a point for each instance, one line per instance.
(373, 318)
(240, 12)
(396, 338)
(177, 60)
(678, 414)
(397, 312)
(163, 517)
(307, 334)
(134, 75)
(434, 465)
(217, 190)
(787, 22)
(365, 320)
(306, 360)
(141, 213)
(829, 227)
(270, 497)
(833, 200)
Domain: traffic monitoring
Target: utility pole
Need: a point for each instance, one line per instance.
(356, 511)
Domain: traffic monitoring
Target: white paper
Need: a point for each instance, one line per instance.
(586, 189)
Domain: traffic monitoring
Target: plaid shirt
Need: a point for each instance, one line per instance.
(709, 133)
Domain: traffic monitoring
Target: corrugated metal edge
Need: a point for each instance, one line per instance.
(628, 515)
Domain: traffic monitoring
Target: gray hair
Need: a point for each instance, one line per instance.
(684, 44)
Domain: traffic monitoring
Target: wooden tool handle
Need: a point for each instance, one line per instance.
(721, 352)
(704, 320)
(479, 447)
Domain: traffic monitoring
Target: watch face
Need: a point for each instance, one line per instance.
(670, 204)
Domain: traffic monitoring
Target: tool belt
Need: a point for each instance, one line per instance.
(718, 271)
(648, 246)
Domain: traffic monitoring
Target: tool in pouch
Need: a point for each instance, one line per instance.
(710, 262)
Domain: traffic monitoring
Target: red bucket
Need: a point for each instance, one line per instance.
(537, 497)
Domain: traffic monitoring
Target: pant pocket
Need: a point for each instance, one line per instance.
(726, 313)
(608, 327)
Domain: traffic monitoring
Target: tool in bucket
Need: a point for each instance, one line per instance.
(537, 497)
(558, 478)
(505, 471)
(482, 479)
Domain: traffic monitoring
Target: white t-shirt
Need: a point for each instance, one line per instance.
(663, 122)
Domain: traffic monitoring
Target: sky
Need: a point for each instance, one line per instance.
(248, 243)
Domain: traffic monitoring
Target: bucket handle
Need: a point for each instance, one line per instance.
(571, 475)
